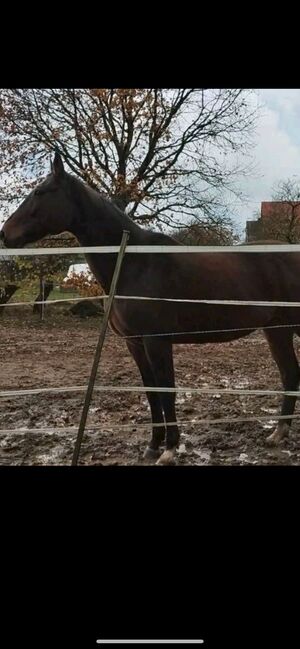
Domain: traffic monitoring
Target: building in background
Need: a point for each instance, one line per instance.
(279, 220)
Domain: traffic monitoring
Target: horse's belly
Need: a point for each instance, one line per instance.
(145, 318)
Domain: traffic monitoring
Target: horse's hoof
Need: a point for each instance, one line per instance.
(151, 453)
(278, 435)
(167, 458)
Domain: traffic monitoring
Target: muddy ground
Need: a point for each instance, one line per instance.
(59, 352)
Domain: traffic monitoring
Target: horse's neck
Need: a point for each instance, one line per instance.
(99, 223)
(99, 229)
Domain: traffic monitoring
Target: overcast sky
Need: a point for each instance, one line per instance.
(277, 150)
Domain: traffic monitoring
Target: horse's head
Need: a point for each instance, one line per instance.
(47, 210)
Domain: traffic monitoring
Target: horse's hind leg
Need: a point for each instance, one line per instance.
(160, 355)
(282, 348)
(158, 433)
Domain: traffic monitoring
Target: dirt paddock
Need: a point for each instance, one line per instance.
(59, 352)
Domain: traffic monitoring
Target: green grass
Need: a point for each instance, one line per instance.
(55, 316)
(56, 294)
(30, 293)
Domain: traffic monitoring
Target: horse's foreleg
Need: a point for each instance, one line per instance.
(160, 357)
(281, 345)
(158, 433)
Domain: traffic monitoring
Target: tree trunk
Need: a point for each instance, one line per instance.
(48, 287)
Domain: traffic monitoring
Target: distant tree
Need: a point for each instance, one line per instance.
(284, 224)
(10, 279)
(44, 270)
(86, 285)
(287, 190)
(197, 233)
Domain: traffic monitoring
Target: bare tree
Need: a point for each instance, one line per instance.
(160, 154)
(287, 190)
(221, 231)
(284, 222)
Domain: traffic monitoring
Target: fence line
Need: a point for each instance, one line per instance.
(137, 388)
(177, 333)
(78, 250)
(211, 331)
(186, 422)
(226, 302)
(67, 299)
(260, 303)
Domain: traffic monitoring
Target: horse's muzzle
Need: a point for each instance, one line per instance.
(7, 243)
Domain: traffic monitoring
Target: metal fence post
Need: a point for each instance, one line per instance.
(91, 383)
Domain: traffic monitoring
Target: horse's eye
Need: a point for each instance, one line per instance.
(38, 192)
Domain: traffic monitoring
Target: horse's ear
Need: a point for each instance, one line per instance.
(57, 166)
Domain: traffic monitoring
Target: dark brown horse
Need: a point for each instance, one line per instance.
(63, 203)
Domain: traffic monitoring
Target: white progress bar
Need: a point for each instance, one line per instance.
(150, 641)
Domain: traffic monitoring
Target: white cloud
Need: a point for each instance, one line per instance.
(277, 152)
(286, 101)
